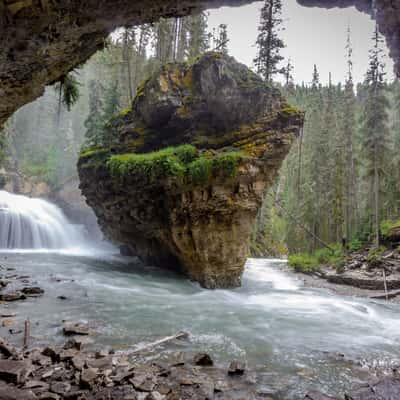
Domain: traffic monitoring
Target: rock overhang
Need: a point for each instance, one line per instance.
(41, 41)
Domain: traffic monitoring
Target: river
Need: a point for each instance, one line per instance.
(294, 336)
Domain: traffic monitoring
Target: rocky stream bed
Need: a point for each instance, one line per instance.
(76, 364)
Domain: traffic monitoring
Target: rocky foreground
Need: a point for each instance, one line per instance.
(81, 368)
(180, 177)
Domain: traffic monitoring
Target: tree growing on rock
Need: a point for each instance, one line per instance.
(269, 44)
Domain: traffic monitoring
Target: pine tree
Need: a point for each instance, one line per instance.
(348, 130)
(375, 126)
(269, 44)
(94, 123)
(198, 37)
(222, 40)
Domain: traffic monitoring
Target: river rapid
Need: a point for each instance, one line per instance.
(297, 338)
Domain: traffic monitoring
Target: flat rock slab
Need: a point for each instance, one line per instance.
(12, 393)
(315, 395)
(71, 329)
(386, 389)
(12, 296)
(14, 371)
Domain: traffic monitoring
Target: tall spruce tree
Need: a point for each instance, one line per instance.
(375, 126)
(269, 44)
(348, 130)
(198, 36)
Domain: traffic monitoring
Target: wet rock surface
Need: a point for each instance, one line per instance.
(50, 374)
(198, 220)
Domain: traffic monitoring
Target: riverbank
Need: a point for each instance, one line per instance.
(320, 281)
(369, 272)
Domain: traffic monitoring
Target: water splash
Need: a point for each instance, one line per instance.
(27, 223)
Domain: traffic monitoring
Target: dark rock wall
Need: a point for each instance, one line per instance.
(41, 40)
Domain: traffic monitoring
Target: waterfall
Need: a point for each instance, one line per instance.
(27, 223)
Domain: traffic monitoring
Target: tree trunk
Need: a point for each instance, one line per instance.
(377, 200)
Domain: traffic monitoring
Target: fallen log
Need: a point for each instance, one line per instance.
(385, 295)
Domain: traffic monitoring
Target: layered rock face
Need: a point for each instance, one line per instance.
(191, 206)
(41, 40)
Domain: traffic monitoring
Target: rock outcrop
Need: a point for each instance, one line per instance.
(191, 206)
(41, 40)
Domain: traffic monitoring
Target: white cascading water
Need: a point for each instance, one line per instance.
(27, 223)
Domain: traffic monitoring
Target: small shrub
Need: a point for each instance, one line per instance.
(303, 262)
(355, 244)
(200, 170)
(387, 226)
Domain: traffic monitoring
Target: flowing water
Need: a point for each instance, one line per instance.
(27, 223)
(291, 334)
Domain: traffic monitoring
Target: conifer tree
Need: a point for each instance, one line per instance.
(198, 37)
(93, 123)
(348, 130)
(269, 44)
(222, 40)
(375, 126)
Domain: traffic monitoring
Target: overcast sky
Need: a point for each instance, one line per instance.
(312, 36)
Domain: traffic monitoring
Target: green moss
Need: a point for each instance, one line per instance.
(125, 111)
(183, 162)
(289, 110)
(200, 170)
(88, 153)
(387, 226)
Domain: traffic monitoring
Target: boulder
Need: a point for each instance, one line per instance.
(191, 207)
(385, 389)
(12, 371)
(203, 359)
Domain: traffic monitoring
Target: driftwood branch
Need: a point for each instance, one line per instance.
(152, 345)
(27, 333)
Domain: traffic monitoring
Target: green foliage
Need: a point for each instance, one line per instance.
(355, 244)
(388, 225)
(3, 181)
(305, 262)
(269, 43)
(374, 257)
(200, 170)
(69, 90)
(183, 162)
(3, 147)
(44, 165)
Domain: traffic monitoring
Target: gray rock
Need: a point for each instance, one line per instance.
(236, 368)
(14, 371)
(75, 329)
(385, 389)
(315, 395)
(60, 387)
(8, 392)
(203, 359)
(88, 378)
